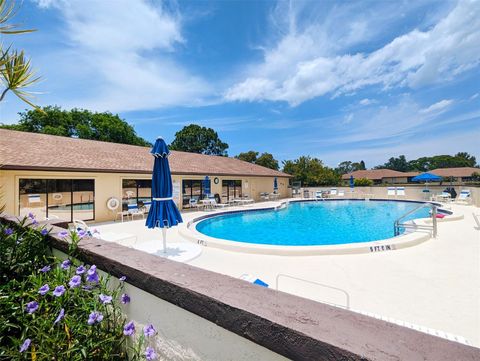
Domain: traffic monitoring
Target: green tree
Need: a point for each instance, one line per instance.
(250, 156)
(78, 123)
(349, 167)
(470, 160)
(267, 160)
(196, 139)
(16, 72)
(399, 164)
(311, 172)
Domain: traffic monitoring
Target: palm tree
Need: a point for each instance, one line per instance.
(16, 72)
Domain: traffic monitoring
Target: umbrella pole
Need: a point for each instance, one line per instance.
(164, 236)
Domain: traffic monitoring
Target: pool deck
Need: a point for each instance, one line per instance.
(434, 284)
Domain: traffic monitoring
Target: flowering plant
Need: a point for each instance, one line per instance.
(62, 309)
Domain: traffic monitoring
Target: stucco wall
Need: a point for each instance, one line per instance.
(110, 185)
(414, 192)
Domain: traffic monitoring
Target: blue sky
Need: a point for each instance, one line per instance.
(353, 80)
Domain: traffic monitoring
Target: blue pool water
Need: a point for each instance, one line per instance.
(312, 223)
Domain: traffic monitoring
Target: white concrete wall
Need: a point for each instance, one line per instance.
(413, 192)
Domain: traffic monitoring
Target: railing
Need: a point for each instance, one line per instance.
(433, 228)
(345, 293)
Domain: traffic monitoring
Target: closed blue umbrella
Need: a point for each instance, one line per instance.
(275, 185)
(206, 186)
(352, 182)
(163, 212)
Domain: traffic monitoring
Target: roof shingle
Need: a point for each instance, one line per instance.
(22, 150)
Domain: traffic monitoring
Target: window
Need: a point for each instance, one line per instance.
(66, 199)
(135, 190)
(231, 189)
(191, 189)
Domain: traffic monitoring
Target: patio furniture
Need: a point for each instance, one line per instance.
(464, 197)
(273, 196)
(123, 213)
(264, 196)
(319, 195)
(333, 192)
(476, 217)
(193, 203)
(134, 210)
(391, 192)
(208, 203)
(400, 191)
(341, 193)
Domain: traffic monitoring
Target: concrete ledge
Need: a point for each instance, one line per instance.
(290, 326)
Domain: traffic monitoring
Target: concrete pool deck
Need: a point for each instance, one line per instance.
(435, 284)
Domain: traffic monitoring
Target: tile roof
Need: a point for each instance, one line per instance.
(455, 172)
(21, 150)
(377, 174)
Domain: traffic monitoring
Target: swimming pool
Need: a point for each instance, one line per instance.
(312, 223)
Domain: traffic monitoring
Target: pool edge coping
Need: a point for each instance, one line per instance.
(188, 230)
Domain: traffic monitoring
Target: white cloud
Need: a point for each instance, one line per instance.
(474, 96)
(438, 107)
(120, 56)
(312, 60)
(366, 101)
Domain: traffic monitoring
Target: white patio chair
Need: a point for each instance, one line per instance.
(341, 193)
(401, 191)
(464, 197)
(476, 217)
(391, 192)
(333, 192)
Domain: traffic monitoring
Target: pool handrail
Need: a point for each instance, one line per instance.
(397, 224)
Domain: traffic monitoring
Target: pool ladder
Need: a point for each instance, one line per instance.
(433, 228)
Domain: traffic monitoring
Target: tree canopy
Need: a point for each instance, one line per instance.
(424, 164)
(265, 159)
(79, 123)
(311, 172)
(196, 139)
(349, 167)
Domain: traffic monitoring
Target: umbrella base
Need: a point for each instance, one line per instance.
(180, 252)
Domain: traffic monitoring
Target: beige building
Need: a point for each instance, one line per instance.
(379, 176)
(71, 178)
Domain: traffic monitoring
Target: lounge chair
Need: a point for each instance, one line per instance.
(476, 217)
(119, 238)
(465, 197)
(135, 210)
(341, 193)
(218, 205)
(443, 197)
(401, 191)
(333, 192)
(193, 203)
(391, 192)
(319, 195)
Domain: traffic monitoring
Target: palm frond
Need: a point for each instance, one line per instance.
(7, 12)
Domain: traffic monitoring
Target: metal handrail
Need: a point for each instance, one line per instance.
(347, 296)
(397, 224)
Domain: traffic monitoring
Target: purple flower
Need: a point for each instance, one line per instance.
(66, 264)
(80, 270)
(150, 354)
(60, 316)
(92, 275)
(129, 329)
(59, 290)
(31, 215)
(75, 281)
(31, 307)
(122, 279)
(94, 317)
(45, 269)
(149, 330)
(63, 234)
(125, 299)
(81, 233)
(44, 289)
(8, 231)
(25, 345)
(105, 298)
(44, 232)
(34, 222)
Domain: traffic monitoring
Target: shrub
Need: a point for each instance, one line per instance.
(359, 182)
(61, 309)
